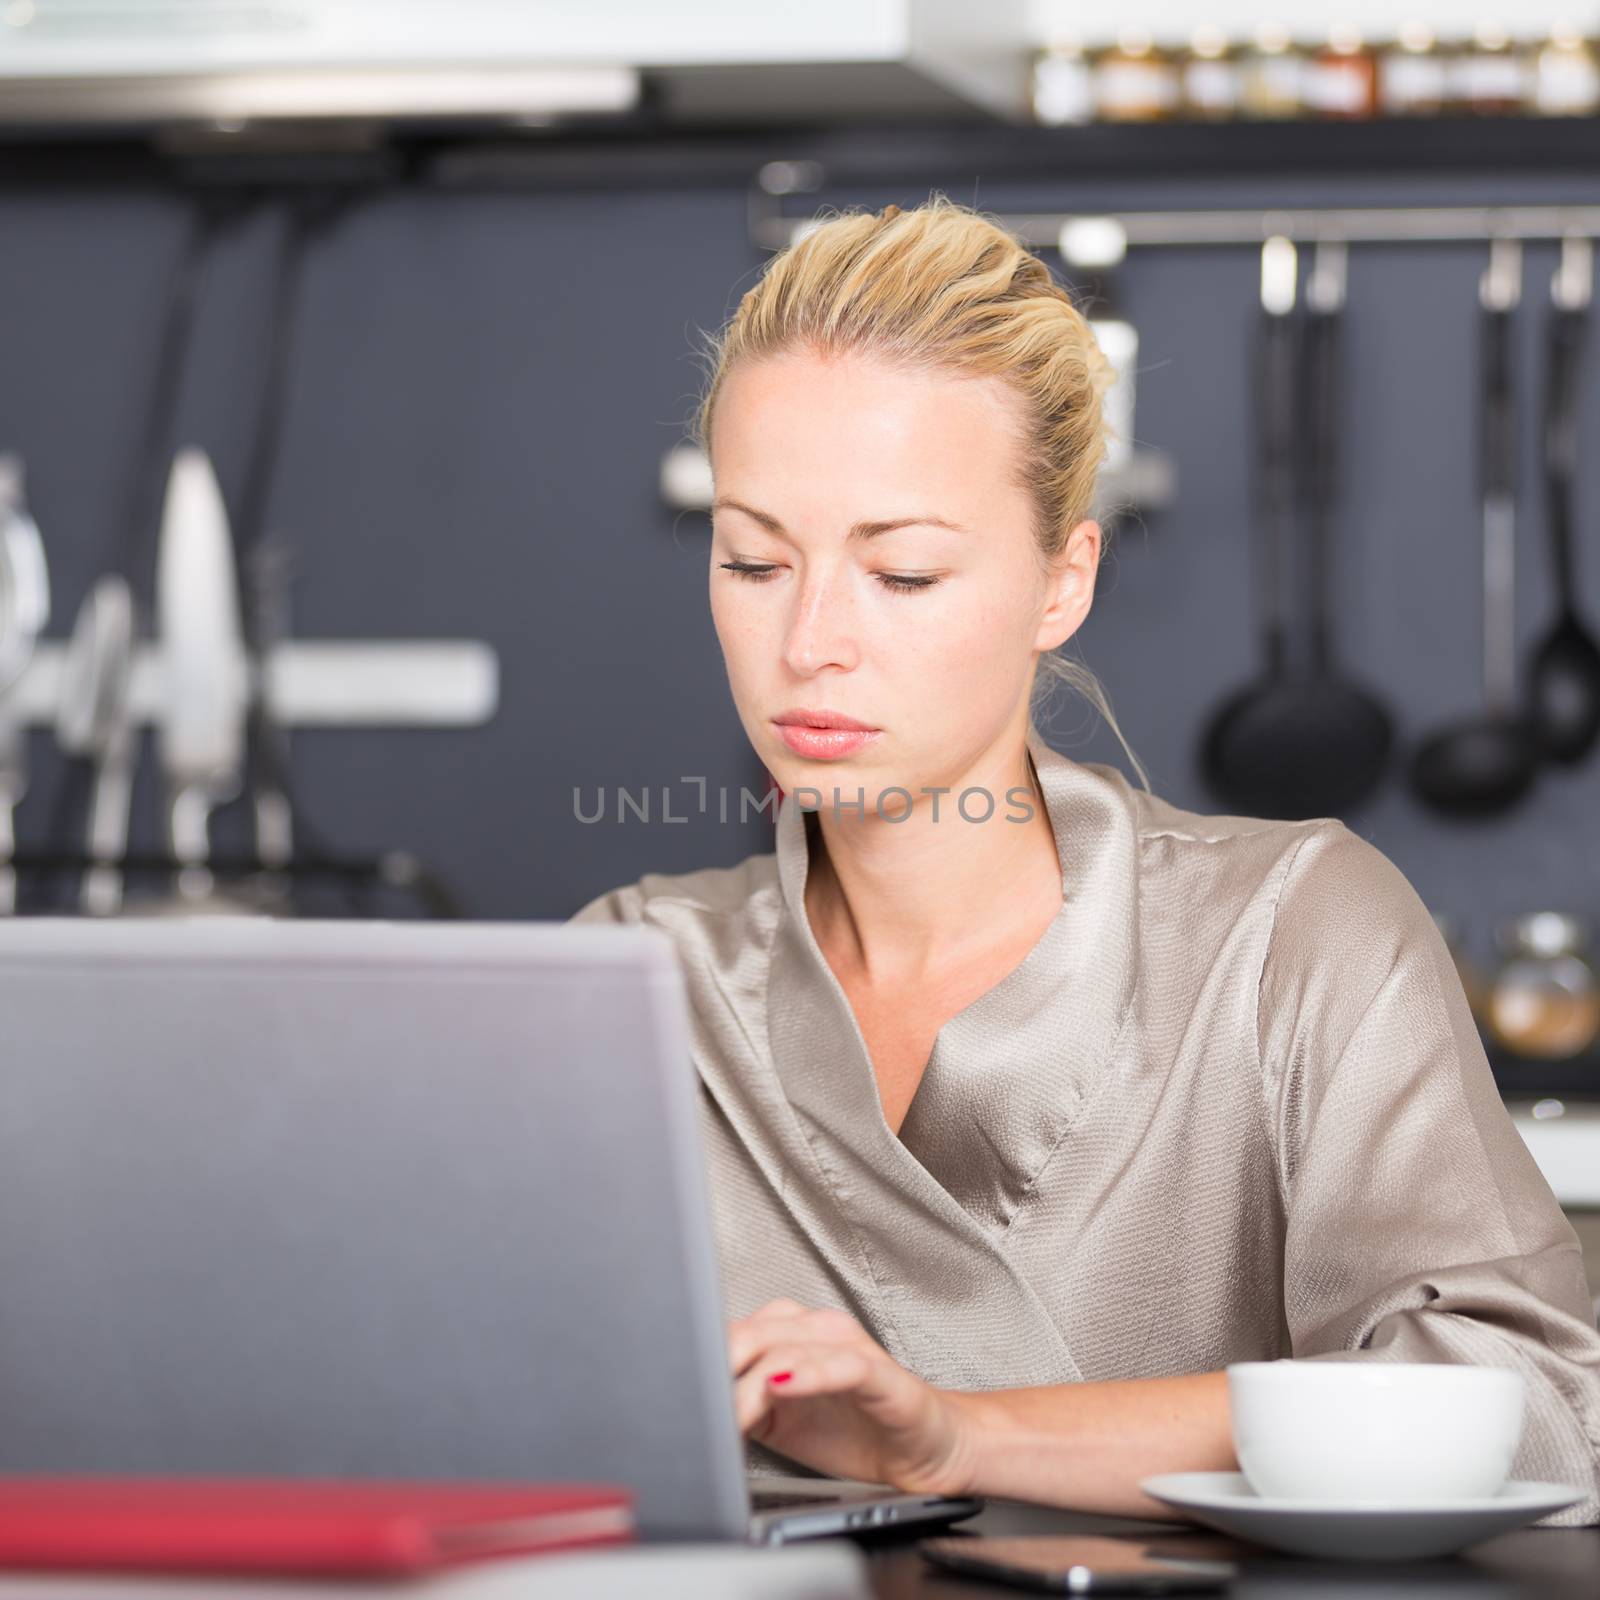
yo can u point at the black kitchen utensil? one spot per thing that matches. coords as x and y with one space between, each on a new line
1239 756
265 563
291 850
129 545
1564 678
1482 766
1299 741
1342 735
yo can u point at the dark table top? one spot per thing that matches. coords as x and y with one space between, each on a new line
1529 1564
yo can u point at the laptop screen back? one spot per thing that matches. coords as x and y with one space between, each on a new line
329 1199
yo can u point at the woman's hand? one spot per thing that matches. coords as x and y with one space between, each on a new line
816 1387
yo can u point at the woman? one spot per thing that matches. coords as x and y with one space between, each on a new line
1032 1101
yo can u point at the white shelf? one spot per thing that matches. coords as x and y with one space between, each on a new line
1567 1148
433 683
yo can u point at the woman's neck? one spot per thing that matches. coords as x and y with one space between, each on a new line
903 902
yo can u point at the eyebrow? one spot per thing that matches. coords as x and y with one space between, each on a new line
860 530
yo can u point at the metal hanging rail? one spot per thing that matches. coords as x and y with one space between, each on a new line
1349 225
771 230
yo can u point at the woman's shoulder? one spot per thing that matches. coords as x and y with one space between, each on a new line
679 900
1318 882
1162 823
1329 929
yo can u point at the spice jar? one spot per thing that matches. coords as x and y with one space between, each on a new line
1412 77
1134 81
1210 78
1489 74
1544 1000
1063 85
1271 74
1566 76
1341 80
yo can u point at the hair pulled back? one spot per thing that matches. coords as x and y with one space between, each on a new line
942 287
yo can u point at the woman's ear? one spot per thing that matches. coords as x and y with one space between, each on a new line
1071 593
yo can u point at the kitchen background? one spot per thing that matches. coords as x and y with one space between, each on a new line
493 240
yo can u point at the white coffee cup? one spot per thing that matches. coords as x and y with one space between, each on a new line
1385 1432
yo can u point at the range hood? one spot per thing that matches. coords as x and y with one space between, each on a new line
229 63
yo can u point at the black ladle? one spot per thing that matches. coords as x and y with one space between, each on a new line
1564 678
1295 743
1236 757
1484 765
1345 731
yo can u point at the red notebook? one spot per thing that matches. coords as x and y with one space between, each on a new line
296 1525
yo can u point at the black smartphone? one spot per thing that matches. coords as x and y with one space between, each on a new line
1053 1564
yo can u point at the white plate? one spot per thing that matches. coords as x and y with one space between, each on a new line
1354 1530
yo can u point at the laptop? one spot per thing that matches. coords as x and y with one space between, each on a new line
356 1199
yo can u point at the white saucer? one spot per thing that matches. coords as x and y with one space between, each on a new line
1354 1530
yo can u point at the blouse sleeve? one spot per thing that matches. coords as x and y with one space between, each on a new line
612 907
1418 1226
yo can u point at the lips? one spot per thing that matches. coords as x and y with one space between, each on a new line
804 717
823 735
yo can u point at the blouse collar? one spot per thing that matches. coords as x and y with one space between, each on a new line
1008 1074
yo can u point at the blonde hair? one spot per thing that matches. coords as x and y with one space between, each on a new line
944 287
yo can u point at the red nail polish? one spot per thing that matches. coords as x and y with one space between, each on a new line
780 1377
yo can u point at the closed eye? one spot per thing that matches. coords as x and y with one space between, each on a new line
897 582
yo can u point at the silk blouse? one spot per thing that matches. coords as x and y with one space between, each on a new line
1232 1106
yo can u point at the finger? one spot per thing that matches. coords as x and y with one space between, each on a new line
802 1370
751 1397
839 1327
780 1308
757 1414
739 1329
749 1337
809 1371
754 1398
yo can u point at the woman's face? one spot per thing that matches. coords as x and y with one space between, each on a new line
871 555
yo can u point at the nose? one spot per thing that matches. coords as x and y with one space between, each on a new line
821 629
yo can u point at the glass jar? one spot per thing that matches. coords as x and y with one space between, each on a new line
1566 76
1489 74
1210 78
1063 85
1341 80
1135 82
1544 999
1272 74
1412 77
